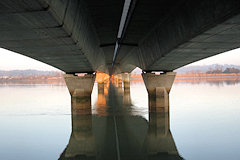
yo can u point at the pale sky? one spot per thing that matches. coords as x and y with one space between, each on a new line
11 61
230 57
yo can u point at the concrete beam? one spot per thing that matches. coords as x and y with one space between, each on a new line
80 88
56 27
158 87
187 32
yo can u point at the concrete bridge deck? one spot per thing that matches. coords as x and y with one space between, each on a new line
117 36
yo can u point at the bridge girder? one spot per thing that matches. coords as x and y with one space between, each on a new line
76 35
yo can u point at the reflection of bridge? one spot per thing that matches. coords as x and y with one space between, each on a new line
82 36
118 134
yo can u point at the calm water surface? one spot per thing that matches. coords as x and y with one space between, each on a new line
36 124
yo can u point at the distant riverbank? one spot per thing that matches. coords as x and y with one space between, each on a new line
59 80
199 77
50 79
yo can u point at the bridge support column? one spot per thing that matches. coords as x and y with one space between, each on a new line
119 76
158 87
126 81
116 80
101 101
80 88
100 87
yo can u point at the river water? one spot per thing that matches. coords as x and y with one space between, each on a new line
203 123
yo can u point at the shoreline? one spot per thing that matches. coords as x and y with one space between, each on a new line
59 80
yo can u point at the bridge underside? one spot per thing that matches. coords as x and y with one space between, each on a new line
79 36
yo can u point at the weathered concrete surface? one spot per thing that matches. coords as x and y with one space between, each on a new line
100 88
182 32
126 81
79 84
57 32
79 35
158 87
101 99
80 88
120 81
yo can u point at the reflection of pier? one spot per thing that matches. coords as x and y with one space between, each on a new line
129 137
82 142
159 141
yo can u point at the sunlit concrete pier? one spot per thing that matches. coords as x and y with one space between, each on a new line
157 85
80 89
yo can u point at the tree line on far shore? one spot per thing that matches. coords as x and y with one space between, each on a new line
219 69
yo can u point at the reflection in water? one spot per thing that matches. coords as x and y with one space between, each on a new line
216 81
101 98
159 142
126 96
115 133
204 122
82 141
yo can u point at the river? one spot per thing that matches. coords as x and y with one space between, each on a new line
203 123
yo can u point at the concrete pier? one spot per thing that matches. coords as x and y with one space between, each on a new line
158 87
101 99
80 88
118 80
119 77
100 88
126 81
